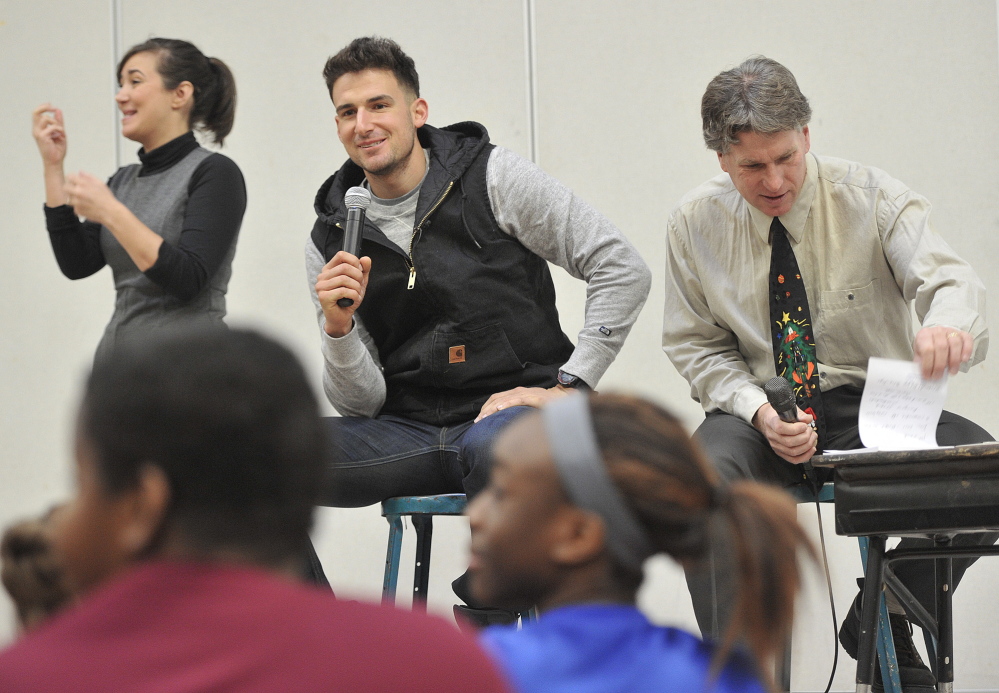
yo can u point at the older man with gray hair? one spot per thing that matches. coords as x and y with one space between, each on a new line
803 266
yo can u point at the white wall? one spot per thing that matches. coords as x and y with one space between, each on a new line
911 87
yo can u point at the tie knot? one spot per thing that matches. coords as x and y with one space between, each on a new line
777 229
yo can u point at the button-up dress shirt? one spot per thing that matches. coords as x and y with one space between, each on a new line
866 250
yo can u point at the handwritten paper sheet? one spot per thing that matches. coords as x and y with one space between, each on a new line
899 410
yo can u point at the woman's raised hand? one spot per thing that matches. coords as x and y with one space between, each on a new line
50 134
90 197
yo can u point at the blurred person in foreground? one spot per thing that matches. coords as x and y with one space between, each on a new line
581 494
198 458
31 573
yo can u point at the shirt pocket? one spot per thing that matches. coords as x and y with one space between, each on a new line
473 358
847 323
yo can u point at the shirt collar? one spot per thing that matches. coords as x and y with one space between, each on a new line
793 221
166 155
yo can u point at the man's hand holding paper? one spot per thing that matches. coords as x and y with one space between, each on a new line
941 349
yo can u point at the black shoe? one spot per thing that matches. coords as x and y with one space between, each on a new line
463 590
473 616
914 676
471 620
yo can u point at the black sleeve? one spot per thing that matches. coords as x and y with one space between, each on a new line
215 205
76 244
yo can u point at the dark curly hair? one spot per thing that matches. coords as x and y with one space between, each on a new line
373 53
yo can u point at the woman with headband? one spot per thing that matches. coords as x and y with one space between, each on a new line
581 494
167 226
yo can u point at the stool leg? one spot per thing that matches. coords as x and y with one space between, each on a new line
868 610
945 625
886 650
424 525
782 674
391 579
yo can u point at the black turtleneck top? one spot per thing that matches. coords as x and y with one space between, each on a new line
215 206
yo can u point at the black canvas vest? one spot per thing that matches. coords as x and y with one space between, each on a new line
480 317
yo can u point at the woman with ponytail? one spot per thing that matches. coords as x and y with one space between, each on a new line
581 494
168 225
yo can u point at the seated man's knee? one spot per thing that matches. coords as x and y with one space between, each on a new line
957 430
733 446
479 438
476 447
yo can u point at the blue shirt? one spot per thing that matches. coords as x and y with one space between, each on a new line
599 648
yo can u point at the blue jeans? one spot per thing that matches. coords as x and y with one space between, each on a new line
387 456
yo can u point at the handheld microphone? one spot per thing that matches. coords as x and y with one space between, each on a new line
356 201
781 398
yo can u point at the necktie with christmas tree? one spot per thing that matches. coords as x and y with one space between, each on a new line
791 328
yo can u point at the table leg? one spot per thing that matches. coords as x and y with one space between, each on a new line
945 624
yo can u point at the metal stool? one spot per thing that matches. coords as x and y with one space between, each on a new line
421 509
886 647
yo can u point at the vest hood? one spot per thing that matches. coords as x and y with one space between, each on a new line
454 148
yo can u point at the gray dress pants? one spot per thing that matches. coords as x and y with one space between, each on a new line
739 451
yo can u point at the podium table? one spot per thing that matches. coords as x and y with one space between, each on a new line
935 493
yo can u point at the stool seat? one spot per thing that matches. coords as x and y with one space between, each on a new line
422 509
803 494
444 504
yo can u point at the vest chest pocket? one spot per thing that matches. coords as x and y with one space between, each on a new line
472 358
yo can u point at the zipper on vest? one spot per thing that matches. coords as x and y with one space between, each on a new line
416 231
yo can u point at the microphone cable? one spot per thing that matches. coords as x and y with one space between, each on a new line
832 601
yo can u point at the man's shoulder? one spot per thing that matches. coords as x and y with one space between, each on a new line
456 132
713 187
454 147
835 172
506 165
717 196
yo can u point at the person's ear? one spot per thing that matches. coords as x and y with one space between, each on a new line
581 538
420 111
183 95
144 510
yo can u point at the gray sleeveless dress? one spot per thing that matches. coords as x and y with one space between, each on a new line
159 201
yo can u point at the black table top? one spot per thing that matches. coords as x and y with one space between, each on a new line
946 454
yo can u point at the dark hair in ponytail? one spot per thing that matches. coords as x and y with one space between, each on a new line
214 86
676 495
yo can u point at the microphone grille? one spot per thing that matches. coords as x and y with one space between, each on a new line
779 393
357 197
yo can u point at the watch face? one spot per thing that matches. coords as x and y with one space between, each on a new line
567 380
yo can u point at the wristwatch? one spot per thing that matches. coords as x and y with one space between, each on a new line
568 380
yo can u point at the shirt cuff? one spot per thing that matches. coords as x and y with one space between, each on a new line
589 361
748 402
60 219
343 352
